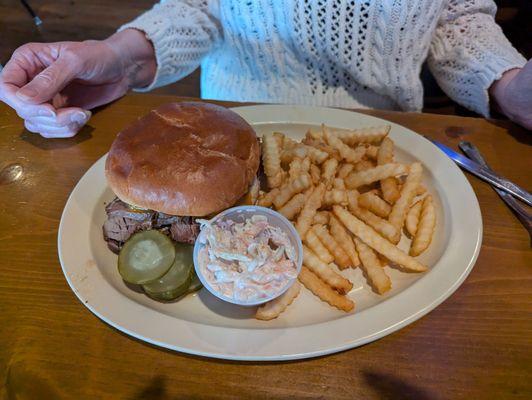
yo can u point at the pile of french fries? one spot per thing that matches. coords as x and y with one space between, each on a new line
350 202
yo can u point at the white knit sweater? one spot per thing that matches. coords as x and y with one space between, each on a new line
346 53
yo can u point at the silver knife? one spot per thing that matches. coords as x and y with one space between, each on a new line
486 174
472 152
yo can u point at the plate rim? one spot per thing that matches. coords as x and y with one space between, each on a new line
354 342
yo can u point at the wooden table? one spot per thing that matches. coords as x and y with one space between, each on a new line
476 345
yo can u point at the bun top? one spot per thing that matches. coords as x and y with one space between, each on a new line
186 159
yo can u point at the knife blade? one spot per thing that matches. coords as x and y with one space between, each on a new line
485 173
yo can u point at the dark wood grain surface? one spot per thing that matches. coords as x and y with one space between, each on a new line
476 345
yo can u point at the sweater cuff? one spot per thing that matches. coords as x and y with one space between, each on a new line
181 35
162 53
468 54
493 70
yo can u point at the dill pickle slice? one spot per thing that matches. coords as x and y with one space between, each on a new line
195 283
145 257
169 295
177 280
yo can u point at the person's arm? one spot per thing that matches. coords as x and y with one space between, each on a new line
512 95
53 86
469 52
136 54
182 32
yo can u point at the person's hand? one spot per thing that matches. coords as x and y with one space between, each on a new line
52 86
513 95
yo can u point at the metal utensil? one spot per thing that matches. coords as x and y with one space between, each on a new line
485 174
472 152
36 20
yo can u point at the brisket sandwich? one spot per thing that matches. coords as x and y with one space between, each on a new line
181 161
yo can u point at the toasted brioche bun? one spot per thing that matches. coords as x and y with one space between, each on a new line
186 159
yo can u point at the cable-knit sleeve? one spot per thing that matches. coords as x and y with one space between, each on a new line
469 52
182 32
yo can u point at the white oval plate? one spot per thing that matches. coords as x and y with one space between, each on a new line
203 325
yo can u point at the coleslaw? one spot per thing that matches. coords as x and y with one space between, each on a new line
246 261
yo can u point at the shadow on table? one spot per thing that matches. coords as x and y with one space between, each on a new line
156 389
60 143
385 387
390 387
518 133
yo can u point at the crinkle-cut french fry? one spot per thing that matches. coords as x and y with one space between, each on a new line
375 204
266 200
364 165
372 151
271 160
372 135
344 169
294 169
425 228
338 184
276 181
305 165
412 218
298 166
291 153
284 177
369 236
315 244
315 173
325 272
316 156
400 208
253 193
346 153
275 307
291 188
321 217
382 226
279 137
352 198
322 146
421 190
340 256
335 196
352 137
313 202
356 179
293 206
346 241
328 170
389 187
301 150
289 143
371 265
385 153
323 291
314 135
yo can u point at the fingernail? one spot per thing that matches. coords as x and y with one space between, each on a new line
46 113
80 117
26 94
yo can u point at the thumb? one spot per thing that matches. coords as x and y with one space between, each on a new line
44 86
